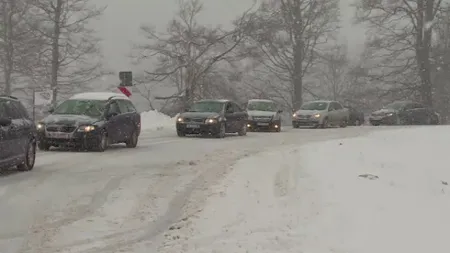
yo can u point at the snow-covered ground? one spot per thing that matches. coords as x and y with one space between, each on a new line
385 192
156 121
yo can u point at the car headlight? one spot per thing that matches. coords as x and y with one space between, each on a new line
294 115
180 119
40 126
389 114
86 128
316 116
211 121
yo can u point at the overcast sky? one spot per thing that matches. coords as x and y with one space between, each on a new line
119 26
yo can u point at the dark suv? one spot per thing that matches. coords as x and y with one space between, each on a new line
17 135
91 121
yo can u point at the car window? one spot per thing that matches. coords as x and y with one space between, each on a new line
22 110
130 106
331 107
9 110
236 107
337 106
228 107
114 108
122 106
3 110
207 106
92 108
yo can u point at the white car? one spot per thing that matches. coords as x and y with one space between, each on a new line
321 114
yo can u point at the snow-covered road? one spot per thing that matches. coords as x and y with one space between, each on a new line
125 200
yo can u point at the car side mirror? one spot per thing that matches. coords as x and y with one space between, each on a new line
230 110
330 109
280 111
5 121
186 110
51 110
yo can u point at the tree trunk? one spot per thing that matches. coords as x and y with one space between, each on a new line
8 64
55 51
423 49
297 78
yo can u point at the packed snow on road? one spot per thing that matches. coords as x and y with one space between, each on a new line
385 192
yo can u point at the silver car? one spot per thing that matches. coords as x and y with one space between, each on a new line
321 114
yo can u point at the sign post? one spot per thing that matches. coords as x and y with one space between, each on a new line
126 82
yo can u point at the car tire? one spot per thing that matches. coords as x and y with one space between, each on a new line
133 141
180 133
243 130
357 122
324 123
222 131
102 143
43 146
30 158
295 125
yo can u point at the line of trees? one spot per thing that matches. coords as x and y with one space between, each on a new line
287 50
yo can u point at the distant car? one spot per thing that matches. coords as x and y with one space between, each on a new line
17 135
356 116
91 121
212 117
404 113
263 114
321 114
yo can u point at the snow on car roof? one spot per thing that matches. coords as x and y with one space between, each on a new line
261 100
98 95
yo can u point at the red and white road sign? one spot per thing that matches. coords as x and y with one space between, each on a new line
125 90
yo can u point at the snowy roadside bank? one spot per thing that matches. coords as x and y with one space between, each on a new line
386 192
156 121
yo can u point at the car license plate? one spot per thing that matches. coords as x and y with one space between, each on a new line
59 135
263 124
193 126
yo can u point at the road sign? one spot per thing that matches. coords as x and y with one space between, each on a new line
126 78
125 90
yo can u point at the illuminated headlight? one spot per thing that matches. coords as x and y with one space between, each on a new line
211 121
389 114
40 126
294 115
316 116
86 128
180 119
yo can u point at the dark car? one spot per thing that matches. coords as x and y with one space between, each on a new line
91 121
405 113
263 114
356 116
17 135
212 117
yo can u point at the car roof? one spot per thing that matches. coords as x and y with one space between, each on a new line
261 100
99 96
214 100
7 97
320 101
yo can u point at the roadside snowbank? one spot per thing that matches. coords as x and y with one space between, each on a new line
156 121
319 198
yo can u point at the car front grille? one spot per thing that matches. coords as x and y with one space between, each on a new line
196 120
61 128
263 119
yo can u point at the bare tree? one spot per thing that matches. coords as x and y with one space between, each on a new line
18 44
189 51
332 71
402 35
72 56
287 35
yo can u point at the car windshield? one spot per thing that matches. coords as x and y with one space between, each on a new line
92 108
262 106
207 106
315 106
395 106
